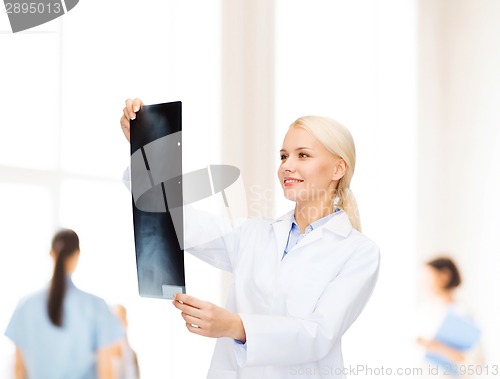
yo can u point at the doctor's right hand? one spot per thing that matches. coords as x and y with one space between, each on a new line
129 113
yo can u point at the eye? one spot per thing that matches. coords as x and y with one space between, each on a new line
282 156
303 155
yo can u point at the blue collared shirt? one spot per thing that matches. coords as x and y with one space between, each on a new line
68 352
294 235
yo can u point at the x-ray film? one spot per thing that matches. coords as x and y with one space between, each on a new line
156 180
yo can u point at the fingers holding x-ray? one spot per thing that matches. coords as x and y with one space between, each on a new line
207 319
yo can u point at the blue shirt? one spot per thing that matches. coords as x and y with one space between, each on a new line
67 352
294 235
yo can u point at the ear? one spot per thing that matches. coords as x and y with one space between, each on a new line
340 169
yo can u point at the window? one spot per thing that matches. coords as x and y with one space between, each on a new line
63 155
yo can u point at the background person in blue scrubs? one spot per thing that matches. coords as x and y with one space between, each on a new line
61 332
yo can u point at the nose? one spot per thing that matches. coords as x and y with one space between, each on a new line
287 166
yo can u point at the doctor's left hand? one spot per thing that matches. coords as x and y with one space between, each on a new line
209 320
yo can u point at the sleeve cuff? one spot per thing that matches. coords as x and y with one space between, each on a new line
126 178
240 349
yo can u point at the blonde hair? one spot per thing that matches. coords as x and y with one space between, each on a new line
337 139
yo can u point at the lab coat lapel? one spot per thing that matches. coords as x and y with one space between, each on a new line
309 238
281 227
338 224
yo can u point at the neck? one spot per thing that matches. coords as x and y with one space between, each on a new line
446 296
308 212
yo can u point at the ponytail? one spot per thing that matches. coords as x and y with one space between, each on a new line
64 244
347 202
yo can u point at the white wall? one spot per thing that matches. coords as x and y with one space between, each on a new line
458 144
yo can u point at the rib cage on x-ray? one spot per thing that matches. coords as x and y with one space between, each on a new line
156 175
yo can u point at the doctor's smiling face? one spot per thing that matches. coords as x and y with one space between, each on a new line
309 173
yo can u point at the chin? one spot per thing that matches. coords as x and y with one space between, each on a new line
290 195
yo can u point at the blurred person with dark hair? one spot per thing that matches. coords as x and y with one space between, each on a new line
441 279
61 332
125 363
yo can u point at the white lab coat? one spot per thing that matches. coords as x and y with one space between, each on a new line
294 310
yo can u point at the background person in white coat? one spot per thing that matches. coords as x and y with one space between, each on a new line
442 280
300 281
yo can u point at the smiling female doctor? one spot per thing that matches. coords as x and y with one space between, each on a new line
300 281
